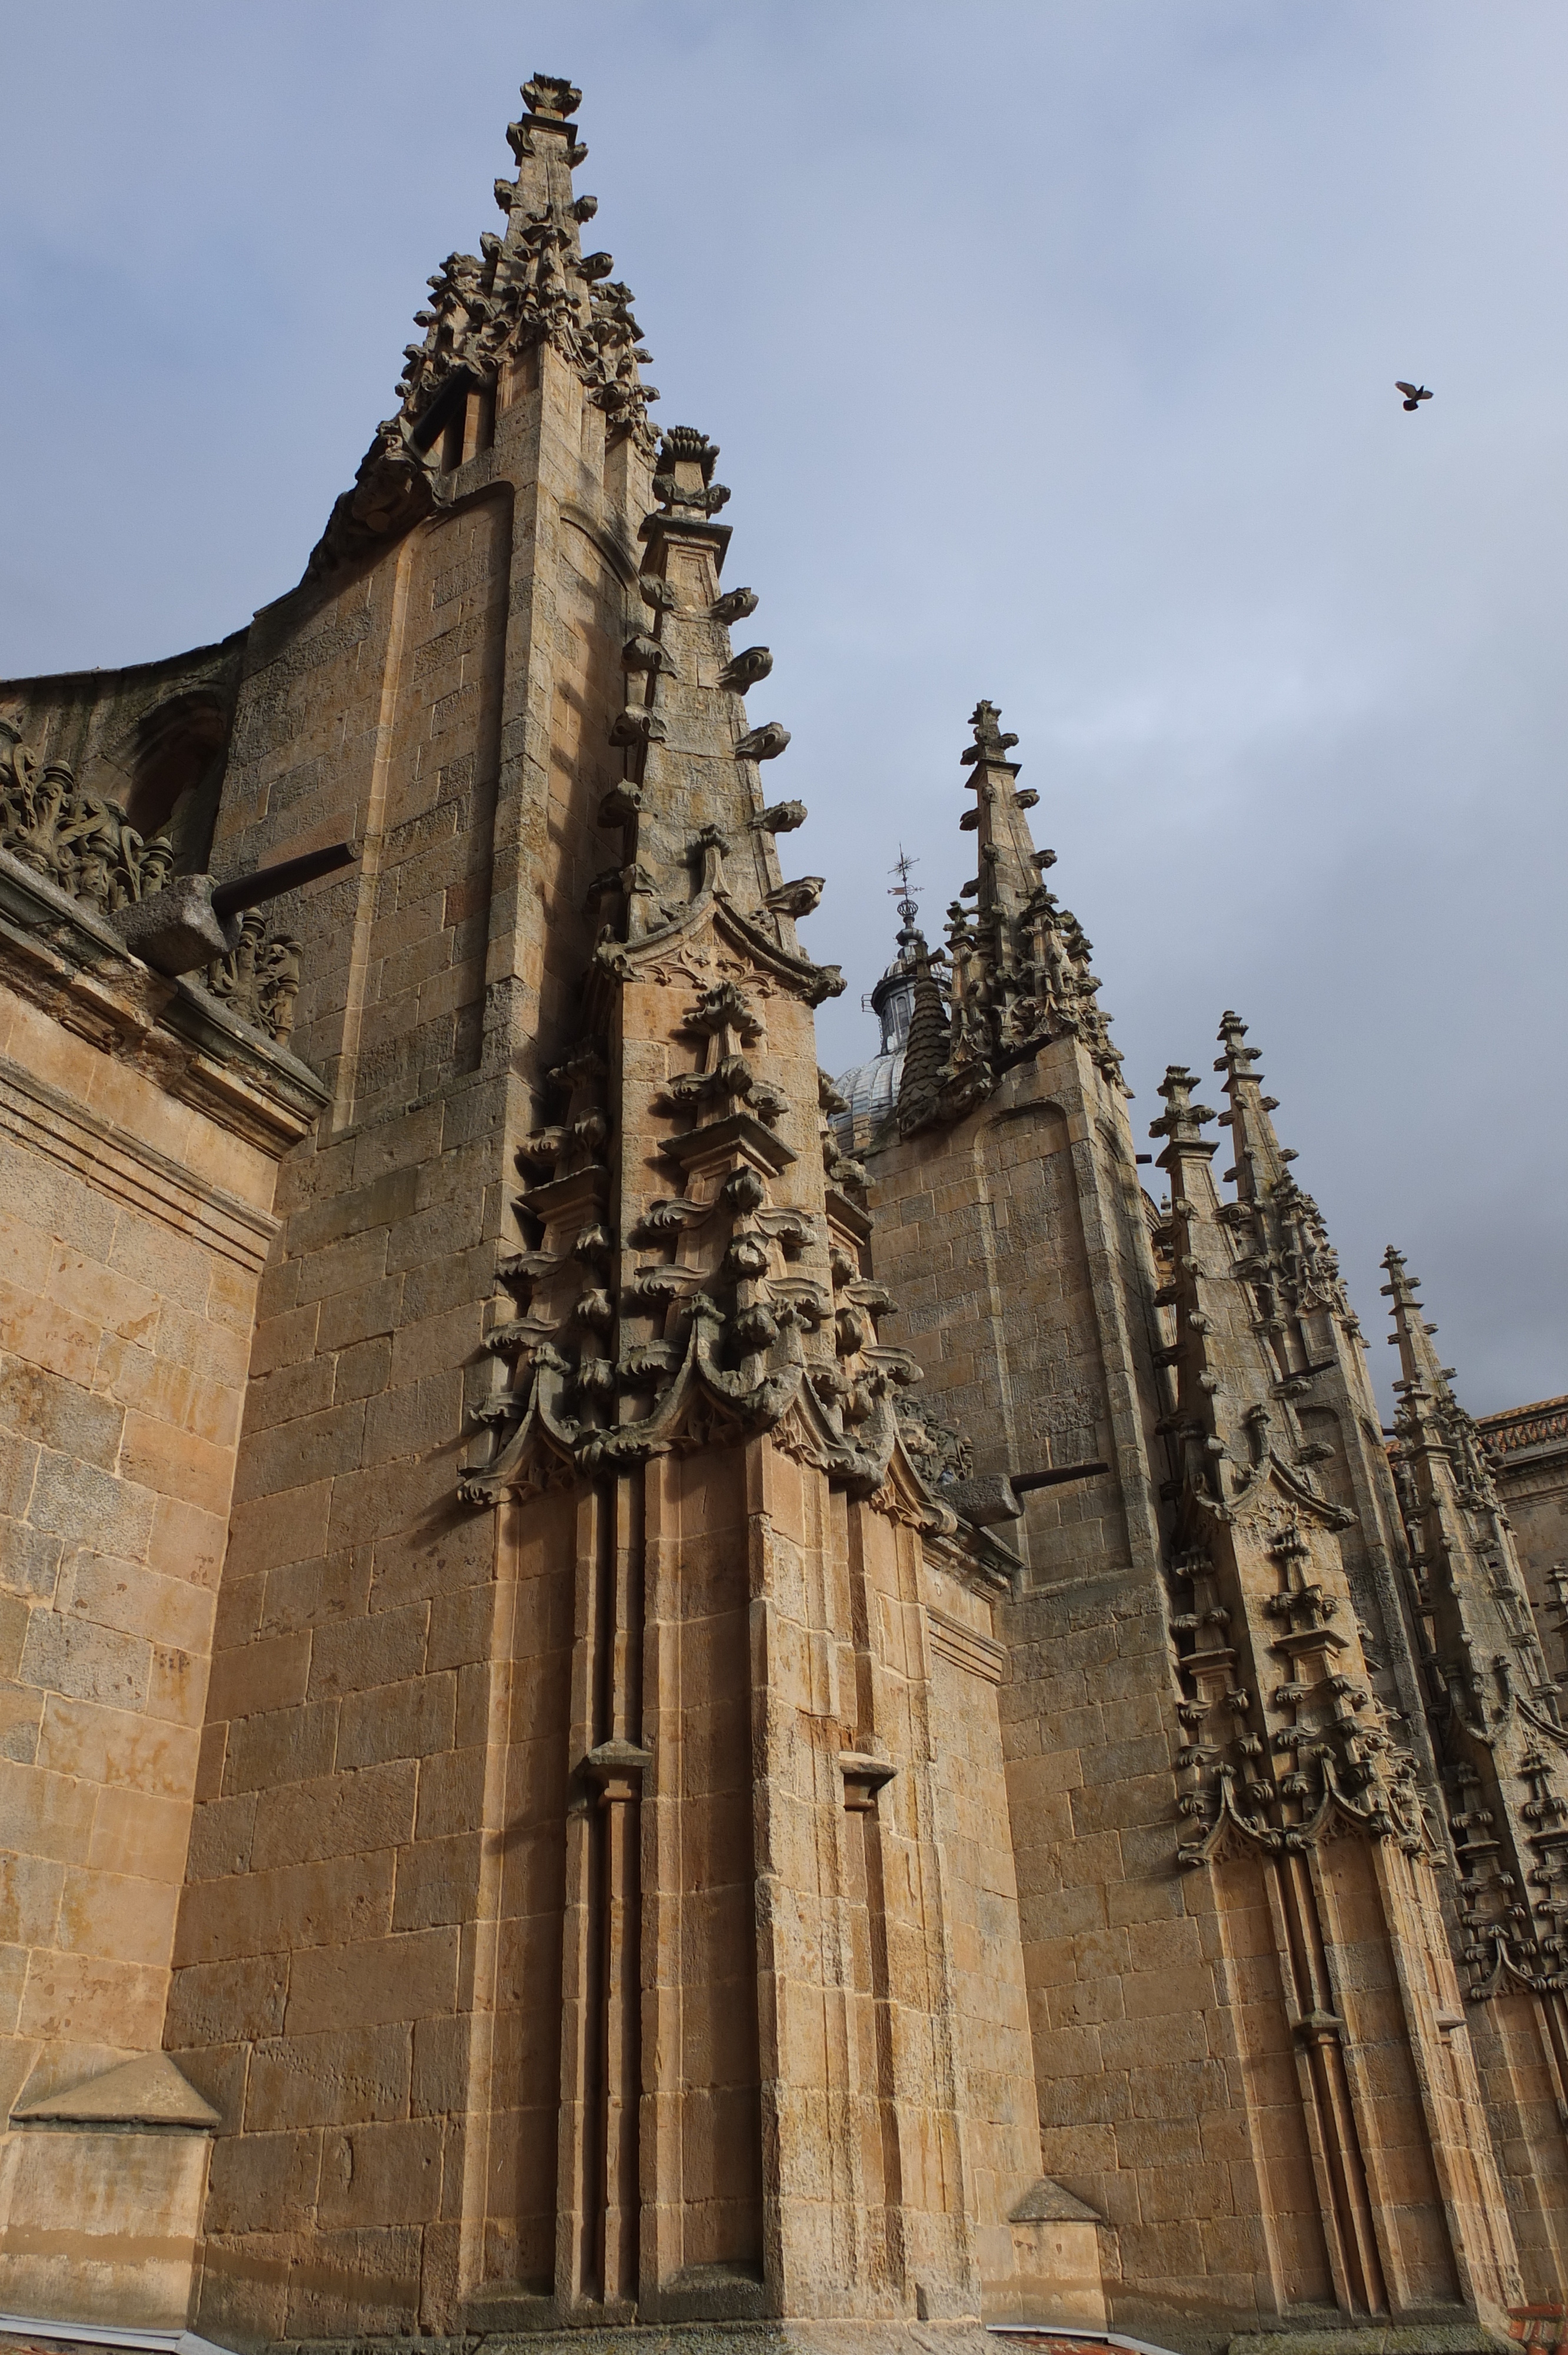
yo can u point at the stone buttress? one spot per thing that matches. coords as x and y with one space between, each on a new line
1496 1725
1304 1798
1249 2042
685 1817
600 1907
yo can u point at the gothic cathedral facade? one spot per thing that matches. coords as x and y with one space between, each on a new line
642 1691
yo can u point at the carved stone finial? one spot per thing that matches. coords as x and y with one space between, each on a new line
1182 1122
684 480
551 97
990 743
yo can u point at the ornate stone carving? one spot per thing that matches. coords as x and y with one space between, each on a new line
780 818
797 898
684 483
734 605
1017 969
938 1449
260 979
531 286
1496 1725
82 843
550 95
723 1306
744 671
763 743
1289 1740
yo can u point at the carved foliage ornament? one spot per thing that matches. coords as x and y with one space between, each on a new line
85 845
531 286
724 1325
533 283
259 979
82 843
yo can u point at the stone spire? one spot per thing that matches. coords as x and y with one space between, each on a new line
1270 1638
1493 1702
532 283
1260 1159
1245 1465
1020 966
1290 1249
1009 868
932 1073
1320 1387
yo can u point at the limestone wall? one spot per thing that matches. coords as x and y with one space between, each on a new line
150 738
980 1895
447 707
1013 1244
135 1194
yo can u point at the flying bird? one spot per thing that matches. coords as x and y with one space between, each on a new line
1413 393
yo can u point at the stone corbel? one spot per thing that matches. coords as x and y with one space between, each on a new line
864 1777
614 1770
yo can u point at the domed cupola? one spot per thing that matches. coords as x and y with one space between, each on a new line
870 1090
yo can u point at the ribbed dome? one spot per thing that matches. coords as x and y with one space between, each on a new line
871 1090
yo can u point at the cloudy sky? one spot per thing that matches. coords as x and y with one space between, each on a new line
1051 348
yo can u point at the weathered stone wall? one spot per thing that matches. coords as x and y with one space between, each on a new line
981 1900
1015 1245
150 738
129 1292
445 708
1163 2056
136 1188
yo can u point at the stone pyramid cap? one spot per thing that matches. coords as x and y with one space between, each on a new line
148 2091
1046 2202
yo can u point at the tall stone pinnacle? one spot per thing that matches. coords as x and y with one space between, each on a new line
1286 1244
485 313
1020 966
1496 1716
1009 868
733 1295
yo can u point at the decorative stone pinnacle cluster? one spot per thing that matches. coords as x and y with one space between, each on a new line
1017 967
1289 1735
84 844
1499 1714
643 1321
530 285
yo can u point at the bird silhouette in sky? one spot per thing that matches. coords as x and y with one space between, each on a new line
1413 393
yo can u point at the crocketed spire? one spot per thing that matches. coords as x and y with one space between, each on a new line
1019 967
